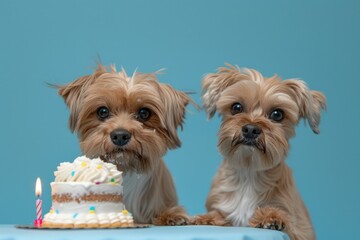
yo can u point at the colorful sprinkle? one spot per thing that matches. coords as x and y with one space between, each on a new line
52 210
99 166
57 211
92 209
125 212
83 164
112 181
97 183
75 215
73 173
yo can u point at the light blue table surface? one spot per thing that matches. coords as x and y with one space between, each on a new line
9 232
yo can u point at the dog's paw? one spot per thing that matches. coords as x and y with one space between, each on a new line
173 220
175 216
212 218
272 224
269 218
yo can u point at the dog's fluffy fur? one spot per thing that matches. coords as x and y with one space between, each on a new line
254 187
149 191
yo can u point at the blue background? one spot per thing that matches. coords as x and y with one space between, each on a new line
58 41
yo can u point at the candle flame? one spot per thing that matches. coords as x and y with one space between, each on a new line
38 189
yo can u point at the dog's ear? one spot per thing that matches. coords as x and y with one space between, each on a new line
175 103
72 94
214 84
309 102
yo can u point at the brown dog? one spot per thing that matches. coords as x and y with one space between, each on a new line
254 187
131 122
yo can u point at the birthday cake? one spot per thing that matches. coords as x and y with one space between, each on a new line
87 193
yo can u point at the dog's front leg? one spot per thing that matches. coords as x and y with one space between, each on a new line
172 216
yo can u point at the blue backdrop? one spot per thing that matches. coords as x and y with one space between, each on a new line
58 41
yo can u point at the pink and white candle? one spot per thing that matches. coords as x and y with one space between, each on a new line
38 190
38 209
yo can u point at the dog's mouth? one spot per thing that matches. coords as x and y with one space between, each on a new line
127 160
257 143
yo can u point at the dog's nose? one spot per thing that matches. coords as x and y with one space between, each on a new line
120 137
251 131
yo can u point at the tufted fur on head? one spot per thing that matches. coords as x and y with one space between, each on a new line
172 102
310 102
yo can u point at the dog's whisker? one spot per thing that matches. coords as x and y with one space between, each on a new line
262 146
236 141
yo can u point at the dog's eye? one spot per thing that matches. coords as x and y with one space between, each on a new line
103 113
236 108
144 114
277 115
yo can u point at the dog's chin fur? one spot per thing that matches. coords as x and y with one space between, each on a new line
148 186
127 161
261 154
254 187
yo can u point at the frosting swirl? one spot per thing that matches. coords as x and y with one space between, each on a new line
84 169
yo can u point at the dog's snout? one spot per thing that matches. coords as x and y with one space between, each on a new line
251 131
120 137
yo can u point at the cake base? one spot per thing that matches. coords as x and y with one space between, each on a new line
86 225
69 228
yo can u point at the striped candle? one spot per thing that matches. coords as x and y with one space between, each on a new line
38 190
38 209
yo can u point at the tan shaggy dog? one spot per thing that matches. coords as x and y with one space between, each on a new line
254 187
131 122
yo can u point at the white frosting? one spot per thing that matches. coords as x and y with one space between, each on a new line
84 169
78 189
84 207
74 183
